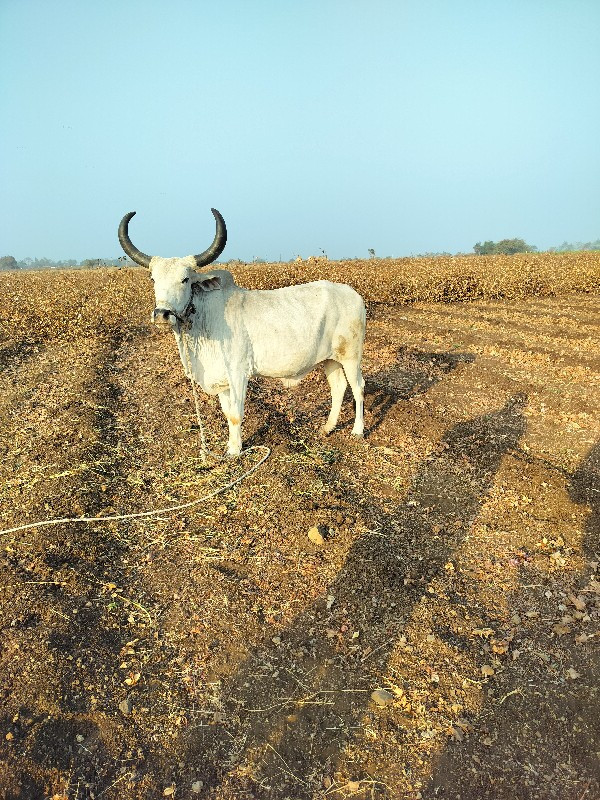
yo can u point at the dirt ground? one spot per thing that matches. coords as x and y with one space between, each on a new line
220 653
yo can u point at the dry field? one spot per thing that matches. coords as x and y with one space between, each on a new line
218 652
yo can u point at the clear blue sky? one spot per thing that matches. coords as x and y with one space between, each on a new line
337 124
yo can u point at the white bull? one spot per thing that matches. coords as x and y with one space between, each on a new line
234 333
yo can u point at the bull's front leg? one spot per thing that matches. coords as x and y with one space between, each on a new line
232 403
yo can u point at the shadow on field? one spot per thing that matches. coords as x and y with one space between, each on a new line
293 706
80 645
414 373
17 353
585 489
549 730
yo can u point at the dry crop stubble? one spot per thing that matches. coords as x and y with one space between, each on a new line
221 653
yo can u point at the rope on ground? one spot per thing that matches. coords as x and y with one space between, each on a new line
184 343
169 509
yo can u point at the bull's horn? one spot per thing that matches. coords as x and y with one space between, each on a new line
218 245
132 251
207 257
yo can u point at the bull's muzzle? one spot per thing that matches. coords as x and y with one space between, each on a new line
164 315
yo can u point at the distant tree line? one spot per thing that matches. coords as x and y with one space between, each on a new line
10 262
503 247
567 247
507 247
512 246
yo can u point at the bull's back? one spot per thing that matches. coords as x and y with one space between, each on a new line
292 329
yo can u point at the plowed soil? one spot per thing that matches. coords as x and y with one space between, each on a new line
218 652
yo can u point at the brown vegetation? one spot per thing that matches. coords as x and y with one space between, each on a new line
223 653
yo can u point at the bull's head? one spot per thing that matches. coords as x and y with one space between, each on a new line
176 279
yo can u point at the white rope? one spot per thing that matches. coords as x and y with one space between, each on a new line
169 509
203 449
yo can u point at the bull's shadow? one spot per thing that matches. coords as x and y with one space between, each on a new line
291 709
414 373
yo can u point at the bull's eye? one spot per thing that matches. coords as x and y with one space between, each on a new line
185 280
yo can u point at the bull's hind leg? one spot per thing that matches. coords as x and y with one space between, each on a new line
337 383
357 384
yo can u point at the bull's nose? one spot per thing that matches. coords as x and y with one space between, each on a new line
161 315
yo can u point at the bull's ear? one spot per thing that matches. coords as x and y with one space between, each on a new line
207 283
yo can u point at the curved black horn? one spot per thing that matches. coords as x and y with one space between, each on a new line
218 245
132 251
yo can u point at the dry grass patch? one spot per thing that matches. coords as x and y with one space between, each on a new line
220 653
